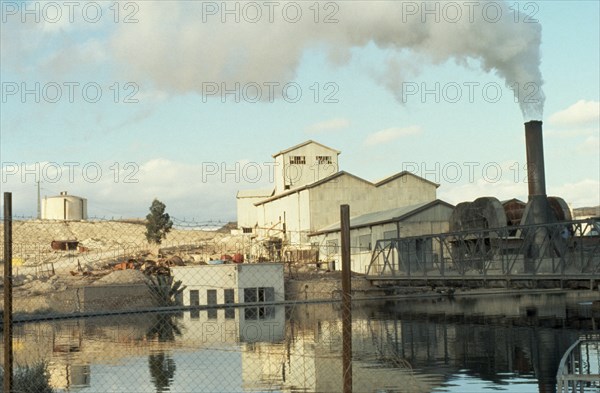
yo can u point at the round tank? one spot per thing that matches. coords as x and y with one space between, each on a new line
484 212
64 207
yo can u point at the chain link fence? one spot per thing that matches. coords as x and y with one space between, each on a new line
97 308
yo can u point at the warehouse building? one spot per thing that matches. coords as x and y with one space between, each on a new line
309 188
414 220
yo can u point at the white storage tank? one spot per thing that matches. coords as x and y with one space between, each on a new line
64 207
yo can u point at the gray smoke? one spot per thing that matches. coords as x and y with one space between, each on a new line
182 46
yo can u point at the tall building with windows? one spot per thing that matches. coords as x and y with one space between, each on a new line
308 189
304 164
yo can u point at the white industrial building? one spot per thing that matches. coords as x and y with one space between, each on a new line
64 207
233 284
309 189
230 283
365 230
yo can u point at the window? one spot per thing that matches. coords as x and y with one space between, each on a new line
250 295
297 160
194 301
322 160
364 243
259 295
229 297
194 297
246 230
390 234
211 300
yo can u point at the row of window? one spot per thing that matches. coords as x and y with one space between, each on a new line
301 160
250 313
251 295
358 243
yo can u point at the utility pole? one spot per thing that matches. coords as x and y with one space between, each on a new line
346 299
7 318
39 202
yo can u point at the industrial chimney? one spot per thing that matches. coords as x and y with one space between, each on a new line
535 158
539 209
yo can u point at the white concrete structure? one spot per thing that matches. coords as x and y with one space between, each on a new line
64 207
309 190
367 229
230 283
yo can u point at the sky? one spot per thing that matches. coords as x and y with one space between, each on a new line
122 102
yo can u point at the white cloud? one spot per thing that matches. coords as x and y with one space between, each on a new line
582 113
390 134
579 194
200 190
591 145
328 125
468 192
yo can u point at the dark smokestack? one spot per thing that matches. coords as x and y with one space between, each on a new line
534 144
538 208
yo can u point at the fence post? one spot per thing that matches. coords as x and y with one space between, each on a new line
7 318
346 299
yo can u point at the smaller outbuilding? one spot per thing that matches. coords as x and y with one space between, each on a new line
230 283
365 230
236 283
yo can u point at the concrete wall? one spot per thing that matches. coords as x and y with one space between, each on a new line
205 277
229 276
248 214
253 275
115 297
325 200
405 190
318 207
294 209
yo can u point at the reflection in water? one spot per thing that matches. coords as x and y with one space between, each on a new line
164 327
162 371
162 366
427 345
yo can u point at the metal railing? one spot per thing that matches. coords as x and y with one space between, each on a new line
579 368
561 248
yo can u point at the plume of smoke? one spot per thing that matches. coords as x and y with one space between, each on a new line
179 46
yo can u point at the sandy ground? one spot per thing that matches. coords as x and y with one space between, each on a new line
37 268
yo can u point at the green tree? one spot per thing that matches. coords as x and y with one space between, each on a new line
158 223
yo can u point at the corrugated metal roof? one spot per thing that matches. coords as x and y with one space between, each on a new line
396 214
256 193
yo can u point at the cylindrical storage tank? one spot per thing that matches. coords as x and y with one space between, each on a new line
64 207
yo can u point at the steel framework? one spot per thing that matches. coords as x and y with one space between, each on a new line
556 249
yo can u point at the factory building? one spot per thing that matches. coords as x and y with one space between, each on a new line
309 188
414 220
